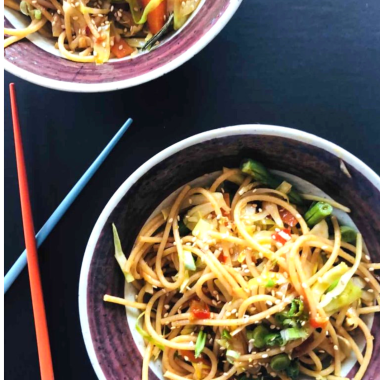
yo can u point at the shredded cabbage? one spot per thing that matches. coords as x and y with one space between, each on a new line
345 278
145 335
119 255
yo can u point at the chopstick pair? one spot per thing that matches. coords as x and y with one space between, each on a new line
42 334
42 234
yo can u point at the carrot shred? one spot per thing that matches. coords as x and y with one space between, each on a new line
156 18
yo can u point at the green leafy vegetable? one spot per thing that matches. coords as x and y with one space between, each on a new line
270 284
348 234
273 339
293 333
294 316
188 260
232 355
317 213
119 255
350 294
329 280
182 229
280 362
200 344
226 334
261 174
293 370
258 336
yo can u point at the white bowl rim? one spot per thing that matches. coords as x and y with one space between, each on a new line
127 83
254 129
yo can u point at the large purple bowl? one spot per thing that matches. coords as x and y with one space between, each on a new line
28 61
108 337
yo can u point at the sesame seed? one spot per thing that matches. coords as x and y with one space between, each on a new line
371 269
166 307
336 348
186 358
269 303
264 356
367 257
366 279
370 290
304 285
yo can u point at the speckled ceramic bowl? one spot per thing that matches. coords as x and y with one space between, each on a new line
313 163
40 63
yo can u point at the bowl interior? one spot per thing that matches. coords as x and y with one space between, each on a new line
38 64
112 346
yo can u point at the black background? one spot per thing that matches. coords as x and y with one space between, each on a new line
311 65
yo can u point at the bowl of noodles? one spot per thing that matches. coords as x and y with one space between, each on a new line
105 45
247 252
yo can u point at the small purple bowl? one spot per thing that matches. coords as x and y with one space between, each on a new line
313 164
41 64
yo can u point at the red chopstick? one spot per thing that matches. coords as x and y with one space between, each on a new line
43 344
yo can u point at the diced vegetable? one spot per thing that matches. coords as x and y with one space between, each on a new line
156 17
188 260
350 294
280 362
226 334
285 187
348 234
318 323
273 339
287 217
199 310
182 229
293 370
232 355
294 316
282 236
102 45
293 333
200 344
202 228
270 284
121 49
261 174
318 212
119 255
237 179
258 335
321 229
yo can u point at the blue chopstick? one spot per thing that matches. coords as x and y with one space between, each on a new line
42 234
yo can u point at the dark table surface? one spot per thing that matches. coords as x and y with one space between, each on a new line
311 65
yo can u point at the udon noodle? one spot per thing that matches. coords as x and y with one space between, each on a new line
242 280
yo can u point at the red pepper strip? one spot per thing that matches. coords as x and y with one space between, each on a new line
287 217
282 236
199 310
